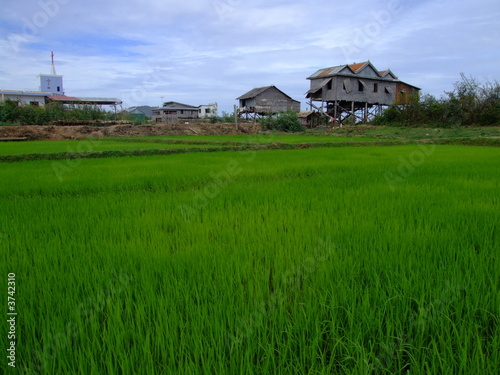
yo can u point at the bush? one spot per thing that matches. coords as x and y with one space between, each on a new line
468 104
11 112
285 122
226 118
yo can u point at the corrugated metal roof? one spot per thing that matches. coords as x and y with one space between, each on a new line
305 114
259 90
328 71
177 105
254 92
314 90
64 98
385 73
83 100
101 100
358 66
176 109
353 69
22 92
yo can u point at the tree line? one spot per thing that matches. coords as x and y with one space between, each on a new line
470 103
11 113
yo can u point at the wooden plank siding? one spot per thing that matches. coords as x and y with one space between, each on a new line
345 90
267 100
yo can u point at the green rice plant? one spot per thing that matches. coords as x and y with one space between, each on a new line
257 138
306 261
86 145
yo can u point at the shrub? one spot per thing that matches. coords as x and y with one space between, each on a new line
470 103
226 118
285 122
11 112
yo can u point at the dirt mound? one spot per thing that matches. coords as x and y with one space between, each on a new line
38 132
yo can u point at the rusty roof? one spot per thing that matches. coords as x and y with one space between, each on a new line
327 71
387 72
353 69
63 98
357 66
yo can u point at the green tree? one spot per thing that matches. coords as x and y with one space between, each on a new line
470 103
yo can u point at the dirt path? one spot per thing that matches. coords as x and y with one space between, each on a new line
38 132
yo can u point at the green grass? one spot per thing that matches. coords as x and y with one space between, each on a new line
390 132
347 133
260 138
318 261
33 147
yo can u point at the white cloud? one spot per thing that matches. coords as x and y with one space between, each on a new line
204 51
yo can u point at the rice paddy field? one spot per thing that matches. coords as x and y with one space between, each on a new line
87 145
346 260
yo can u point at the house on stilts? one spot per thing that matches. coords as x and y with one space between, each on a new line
355 93
265 101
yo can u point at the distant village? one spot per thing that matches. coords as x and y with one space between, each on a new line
344 93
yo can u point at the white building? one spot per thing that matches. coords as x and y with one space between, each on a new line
208 110
25 97
51 82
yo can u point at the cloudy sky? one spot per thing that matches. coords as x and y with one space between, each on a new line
204 51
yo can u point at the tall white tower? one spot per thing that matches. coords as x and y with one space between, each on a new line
52 82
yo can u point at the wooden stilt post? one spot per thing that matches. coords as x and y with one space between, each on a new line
366 113
352 113
335 112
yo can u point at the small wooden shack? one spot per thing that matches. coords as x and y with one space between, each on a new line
352 93
264 101
312 119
